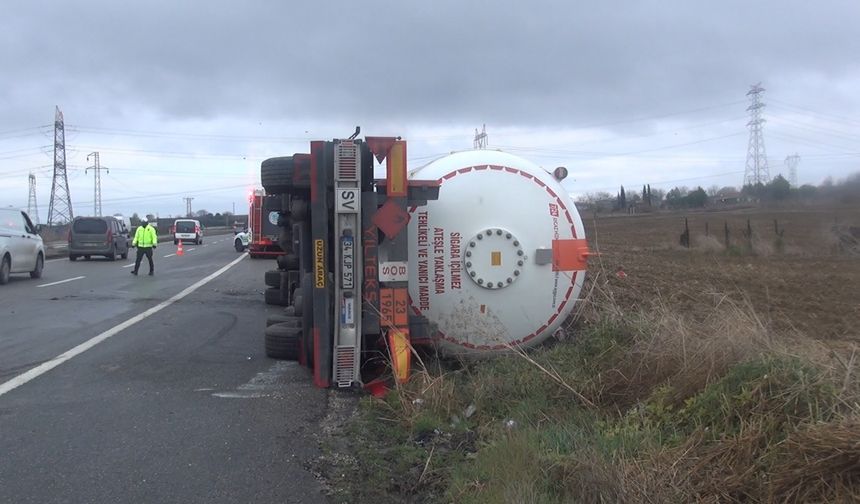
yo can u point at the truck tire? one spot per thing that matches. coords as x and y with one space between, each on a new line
273 297
273 278
285 239
280 318
288 262
282 342
298 210
276 174
298 304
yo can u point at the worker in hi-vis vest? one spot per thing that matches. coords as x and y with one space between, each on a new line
145 239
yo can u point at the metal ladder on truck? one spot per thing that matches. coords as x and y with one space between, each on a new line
344 278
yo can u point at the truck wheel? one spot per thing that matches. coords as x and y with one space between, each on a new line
282 341
276 174
273 278
298 304
280 318
299 210
288 262
73 258
273 297
285 239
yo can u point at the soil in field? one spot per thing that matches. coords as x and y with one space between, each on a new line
798 267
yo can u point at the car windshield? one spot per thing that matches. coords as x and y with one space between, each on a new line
90 226
184 227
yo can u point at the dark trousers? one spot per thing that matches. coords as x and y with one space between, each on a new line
144 251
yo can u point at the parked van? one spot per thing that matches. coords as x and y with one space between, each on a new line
187 230
21 247
99 236
125 221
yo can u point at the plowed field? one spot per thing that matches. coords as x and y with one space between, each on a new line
807 280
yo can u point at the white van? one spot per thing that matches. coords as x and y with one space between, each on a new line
21 247
187 230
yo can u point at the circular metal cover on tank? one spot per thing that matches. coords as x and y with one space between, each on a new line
480 265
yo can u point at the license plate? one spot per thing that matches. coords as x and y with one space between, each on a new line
347 262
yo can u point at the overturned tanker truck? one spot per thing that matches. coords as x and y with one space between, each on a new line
474 253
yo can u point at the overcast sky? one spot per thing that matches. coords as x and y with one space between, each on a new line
186 98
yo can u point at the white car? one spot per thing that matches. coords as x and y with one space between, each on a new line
21 247
241 240
187 230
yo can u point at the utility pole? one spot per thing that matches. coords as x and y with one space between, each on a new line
188 206
756 172
97 183
60 208
791 162
480 138
32 207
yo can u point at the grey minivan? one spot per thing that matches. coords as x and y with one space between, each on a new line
102 236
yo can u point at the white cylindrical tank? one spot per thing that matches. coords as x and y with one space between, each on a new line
481 263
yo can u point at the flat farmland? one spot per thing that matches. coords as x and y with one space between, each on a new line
799 268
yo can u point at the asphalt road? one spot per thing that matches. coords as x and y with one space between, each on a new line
175 401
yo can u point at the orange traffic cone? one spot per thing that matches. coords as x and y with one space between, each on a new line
179 250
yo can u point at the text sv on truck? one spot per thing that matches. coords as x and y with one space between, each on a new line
475 253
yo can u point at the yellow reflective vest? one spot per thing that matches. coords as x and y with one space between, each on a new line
145 236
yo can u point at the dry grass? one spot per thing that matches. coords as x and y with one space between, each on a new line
641 406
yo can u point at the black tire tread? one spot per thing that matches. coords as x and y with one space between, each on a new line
276 174
282 342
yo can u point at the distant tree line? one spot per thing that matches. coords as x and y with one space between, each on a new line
206 218
777 190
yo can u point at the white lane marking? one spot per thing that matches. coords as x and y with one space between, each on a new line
191 249
168 255
128 265
43 368
57 259
61 281
206 245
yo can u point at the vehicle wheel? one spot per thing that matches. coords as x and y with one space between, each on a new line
73 258
86 258
112 255
125 254
40 265
288 262
298 304
273 297
285 239
5 269
283 319
238 246
276 174
299 210
272 278
176 242
282 341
